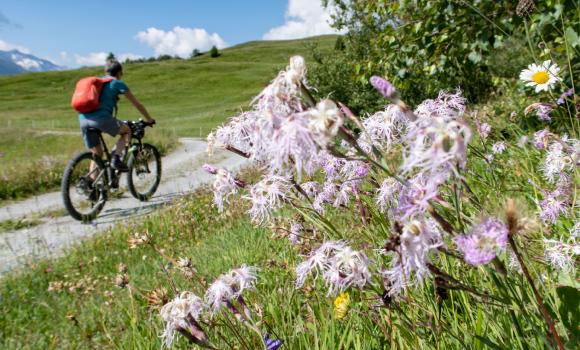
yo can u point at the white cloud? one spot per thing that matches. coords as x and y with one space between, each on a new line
128 56
6 46
180 41
304 18
92 59
98 58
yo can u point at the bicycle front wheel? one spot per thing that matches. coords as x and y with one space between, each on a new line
144 172
84 187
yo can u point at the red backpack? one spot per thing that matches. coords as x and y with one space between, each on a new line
86 96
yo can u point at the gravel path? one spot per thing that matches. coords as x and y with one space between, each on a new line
181 174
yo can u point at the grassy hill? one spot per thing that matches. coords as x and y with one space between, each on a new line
187 97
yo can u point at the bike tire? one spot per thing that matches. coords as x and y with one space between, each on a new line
66 183
132 165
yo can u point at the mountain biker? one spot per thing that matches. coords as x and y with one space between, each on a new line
104 120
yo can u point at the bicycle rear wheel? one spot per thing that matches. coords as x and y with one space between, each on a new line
144 172
84 187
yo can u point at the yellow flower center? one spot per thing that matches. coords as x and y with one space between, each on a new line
540 77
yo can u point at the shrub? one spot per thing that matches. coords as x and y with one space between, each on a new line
164 57
213 52
195 53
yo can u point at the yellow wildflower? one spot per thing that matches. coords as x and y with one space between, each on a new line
341 305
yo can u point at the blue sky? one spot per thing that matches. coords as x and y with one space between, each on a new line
74 33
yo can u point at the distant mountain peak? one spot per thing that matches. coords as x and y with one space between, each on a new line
15 62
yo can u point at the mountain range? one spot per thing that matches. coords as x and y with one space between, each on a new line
16 62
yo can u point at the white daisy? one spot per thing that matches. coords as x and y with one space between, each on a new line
542 77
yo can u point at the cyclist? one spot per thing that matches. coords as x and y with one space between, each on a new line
104 119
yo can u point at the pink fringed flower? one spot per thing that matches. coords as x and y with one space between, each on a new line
484 241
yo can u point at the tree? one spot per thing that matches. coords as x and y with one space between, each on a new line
425 46
213 52
195 53
164 57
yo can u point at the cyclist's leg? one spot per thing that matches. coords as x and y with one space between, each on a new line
124 135
92 142
97 151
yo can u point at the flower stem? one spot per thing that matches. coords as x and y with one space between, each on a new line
539 300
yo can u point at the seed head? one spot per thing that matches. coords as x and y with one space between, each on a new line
122 280
525 8
157 298
122 268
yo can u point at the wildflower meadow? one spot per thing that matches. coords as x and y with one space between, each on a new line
433 224
438 231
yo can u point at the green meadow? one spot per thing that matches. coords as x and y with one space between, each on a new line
188 98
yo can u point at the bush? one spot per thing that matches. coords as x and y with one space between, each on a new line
164 57
423 48
195 53
334 77
213 52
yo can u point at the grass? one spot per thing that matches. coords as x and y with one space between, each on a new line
103 317
85 300
72 302
18 224
187 97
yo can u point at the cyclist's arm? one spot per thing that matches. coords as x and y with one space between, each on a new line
139 106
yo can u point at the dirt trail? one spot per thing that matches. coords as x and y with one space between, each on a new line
181 174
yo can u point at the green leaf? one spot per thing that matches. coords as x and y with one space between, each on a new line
570 308
572 37
488 342
474 57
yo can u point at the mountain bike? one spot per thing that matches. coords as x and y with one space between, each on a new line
88 179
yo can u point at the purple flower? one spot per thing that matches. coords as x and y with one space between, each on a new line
295 230
362 170
483 129
384 128
409 260
210 169
498 147
346 268
415 196
543 113
225 184
272 344
266 196
325 196
230 286
318 261
481 245
447 106
541 138
542 110
386 194
563 97
182 313
553 205
437 143
292 145
383 86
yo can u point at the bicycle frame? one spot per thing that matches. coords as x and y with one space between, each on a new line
106 157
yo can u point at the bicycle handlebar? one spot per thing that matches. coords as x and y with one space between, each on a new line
138 127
